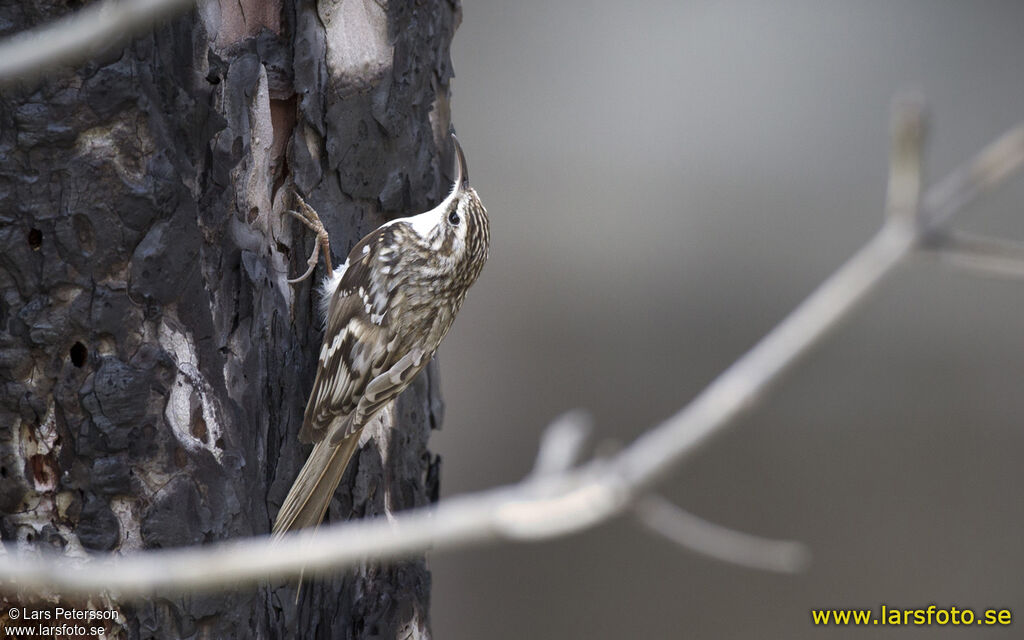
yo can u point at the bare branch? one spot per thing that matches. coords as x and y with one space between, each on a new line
576 501
80 34
908 128
994 164
550 504
982 255
739 387
720 543
562 442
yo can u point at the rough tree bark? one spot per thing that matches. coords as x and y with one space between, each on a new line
154 361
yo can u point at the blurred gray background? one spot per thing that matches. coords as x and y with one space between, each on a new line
666 180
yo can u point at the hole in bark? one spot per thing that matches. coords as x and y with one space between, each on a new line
213 78
283 249
78 354
35 239
220 443
3 472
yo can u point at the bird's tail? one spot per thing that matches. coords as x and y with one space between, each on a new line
313 489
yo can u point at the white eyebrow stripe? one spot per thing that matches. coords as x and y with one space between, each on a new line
424 223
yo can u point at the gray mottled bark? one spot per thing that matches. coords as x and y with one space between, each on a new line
154 362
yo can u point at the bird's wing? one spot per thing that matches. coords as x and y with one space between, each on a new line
380 391
358 344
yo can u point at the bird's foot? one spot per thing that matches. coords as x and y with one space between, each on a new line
309 217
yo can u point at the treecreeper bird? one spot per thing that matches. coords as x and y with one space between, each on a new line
386 311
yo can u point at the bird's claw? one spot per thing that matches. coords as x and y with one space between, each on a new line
309 217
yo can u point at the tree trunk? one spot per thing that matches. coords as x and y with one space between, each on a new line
155 363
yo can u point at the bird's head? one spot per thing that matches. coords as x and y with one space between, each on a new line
457 230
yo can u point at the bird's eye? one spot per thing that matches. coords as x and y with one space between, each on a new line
453 217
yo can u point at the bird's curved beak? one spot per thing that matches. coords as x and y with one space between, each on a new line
461 172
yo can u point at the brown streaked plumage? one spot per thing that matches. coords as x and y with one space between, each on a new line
387 310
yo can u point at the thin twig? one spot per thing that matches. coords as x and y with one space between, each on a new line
982 255
562 442
989 168
738 388
715 541
903 199
80 34
735 390
547 505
